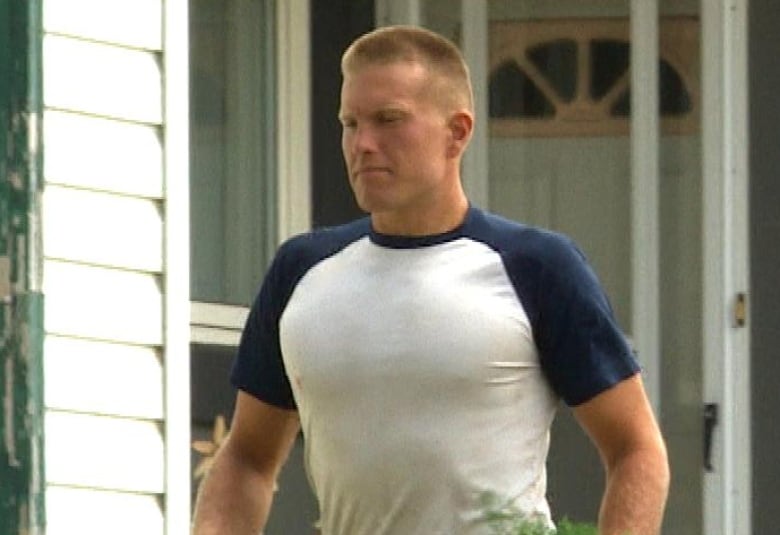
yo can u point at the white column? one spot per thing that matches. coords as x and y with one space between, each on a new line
645 228
176 279
474 14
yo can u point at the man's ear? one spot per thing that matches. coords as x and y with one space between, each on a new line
461 127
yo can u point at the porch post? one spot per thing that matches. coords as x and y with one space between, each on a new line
645 225
474 14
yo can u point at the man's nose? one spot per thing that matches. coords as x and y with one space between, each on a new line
364 139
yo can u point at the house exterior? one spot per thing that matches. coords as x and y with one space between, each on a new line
155 153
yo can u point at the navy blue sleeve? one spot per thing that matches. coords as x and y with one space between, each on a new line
258 368
582 349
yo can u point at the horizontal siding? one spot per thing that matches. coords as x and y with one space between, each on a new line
72 511
103 304
102 79
102 228
103 239
102 154
135 23
102 452
115 379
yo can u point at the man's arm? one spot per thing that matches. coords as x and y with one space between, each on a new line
236 495
621 424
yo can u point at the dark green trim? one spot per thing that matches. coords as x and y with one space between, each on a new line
21 302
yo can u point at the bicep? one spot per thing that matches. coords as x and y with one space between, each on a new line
261 434
620 420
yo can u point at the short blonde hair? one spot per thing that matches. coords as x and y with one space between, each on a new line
410 44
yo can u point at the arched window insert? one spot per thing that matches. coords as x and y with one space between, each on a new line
561 78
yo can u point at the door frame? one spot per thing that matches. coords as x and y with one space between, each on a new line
726 339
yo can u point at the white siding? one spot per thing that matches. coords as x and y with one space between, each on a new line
102 154
123 380
129 234
100 303
133 23
93 512
104 225
102 79
104 452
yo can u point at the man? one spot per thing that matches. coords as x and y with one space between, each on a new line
422 350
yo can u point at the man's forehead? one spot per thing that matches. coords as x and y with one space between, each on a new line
367 107
359 96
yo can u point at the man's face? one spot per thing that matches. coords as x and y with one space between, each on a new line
395 139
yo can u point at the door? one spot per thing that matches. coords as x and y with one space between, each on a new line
572 138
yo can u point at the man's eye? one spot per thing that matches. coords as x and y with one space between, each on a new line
391 118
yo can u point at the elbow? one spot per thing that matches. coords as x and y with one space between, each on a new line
647 464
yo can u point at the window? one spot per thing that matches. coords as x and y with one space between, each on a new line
232 148
571 77
232 194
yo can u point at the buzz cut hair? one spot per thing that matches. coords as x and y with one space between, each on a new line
414 45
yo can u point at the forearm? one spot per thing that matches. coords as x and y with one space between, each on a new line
233 499
635 495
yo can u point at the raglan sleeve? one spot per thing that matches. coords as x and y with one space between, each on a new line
582 349
258 367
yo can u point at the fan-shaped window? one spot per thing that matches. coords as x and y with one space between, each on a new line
557 61
609 60
513 94
572 77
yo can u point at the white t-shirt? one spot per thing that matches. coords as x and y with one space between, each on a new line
426 371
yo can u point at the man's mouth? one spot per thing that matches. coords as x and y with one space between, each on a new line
371 171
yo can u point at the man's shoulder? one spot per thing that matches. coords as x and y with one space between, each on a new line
308 248
521 241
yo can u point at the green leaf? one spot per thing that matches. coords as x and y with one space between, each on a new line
503 517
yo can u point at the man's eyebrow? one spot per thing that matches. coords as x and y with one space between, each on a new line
384 110
392 109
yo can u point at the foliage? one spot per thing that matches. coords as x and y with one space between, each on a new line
505 518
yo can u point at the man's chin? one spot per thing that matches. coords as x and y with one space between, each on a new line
372 204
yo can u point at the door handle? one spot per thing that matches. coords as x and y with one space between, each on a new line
710 421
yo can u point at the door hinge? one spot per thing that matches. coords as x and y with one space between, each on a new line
740 309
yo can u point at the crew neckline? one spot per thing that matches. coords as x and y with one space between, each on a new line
409 242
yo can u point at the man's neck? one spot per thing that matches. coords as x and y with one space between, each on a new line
435 220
